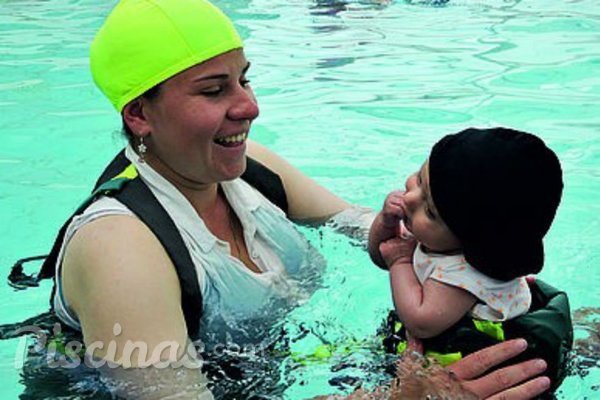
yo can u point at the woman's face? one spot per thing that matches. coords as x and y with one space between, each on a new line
422 218
200 121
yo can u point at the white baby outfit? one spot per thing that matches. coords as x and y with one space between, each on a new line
499 301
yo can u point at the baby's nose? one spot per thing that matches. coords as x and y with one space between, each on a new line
409 201
410 182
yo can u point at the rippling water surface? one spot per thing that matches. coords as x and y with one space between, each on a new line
354 93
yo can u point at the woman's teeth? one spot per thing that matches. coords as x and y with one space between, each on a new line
232 140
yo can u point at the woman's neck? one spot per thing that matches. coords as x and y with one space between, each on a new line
202 196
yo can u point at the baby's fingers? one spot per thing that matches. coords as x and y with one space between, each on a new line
393 208
394 199
397 249
395 196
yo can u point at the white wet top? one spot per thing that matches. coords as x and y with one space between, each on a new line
229 289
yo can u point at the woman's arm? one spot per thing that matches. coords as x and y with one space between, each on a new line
308 201
123 287
426 310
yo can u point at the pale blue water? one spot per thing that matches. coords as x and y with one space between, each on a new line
354 93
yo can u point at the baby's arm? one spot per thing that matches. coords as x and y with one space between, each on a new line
385 226
426 310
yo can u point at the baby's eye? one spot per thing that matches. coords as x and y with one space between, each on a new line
430 213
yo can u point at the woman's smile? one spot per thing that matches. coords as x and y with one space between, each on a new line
233 140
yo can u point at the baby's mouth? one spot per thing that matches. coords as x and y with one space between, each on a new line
405 231
407 222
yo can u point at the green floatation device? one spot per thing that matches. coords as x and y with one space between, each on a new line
547 327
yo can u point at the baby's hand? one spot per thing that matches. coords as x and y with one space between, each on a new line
393 210
386 226
398 250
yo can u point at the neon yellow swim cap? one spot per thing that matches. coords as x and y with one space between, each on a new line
144 42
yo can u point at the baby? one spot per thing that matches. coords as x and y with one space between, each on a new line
468 229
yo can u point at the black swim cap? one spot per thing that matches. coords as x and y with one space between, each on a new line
497 190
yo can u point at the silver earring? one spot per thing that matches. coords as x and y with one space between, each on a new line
141 148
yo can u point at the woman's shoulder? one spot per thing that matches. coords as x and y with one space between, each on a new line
116 272
110 241
107 240
111 258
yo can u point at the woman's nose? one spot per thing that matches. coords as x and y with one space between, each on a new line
245 106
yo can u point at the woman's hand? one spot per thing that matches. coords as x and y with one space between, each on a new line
510 383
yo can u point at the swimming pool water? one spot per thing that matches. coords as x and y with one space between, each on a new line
354 93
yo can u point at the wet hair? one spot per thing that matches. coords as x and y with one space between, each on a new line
151 94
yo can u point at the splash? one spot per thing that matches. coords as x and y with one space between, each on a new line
586 350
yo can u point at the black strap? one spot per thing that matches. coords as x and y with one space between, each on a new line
267 182
141 201
116 166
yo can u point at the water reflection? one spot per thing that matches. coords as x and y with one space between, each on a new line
333 7
330 19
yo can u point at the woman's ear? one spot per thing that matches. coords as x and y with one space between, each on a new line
134 117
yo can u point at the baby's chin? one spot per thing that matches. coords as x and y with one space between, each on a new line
447 252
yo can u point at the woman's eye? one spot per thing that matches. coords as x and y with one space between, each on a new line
212 91
244 82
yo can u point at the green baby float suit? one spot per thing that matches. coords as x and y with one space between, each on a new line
547 327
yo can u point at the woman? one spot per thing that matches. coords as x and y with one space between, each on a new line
176 72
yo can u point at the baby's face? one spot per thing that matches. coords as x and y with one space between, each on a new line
421 216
